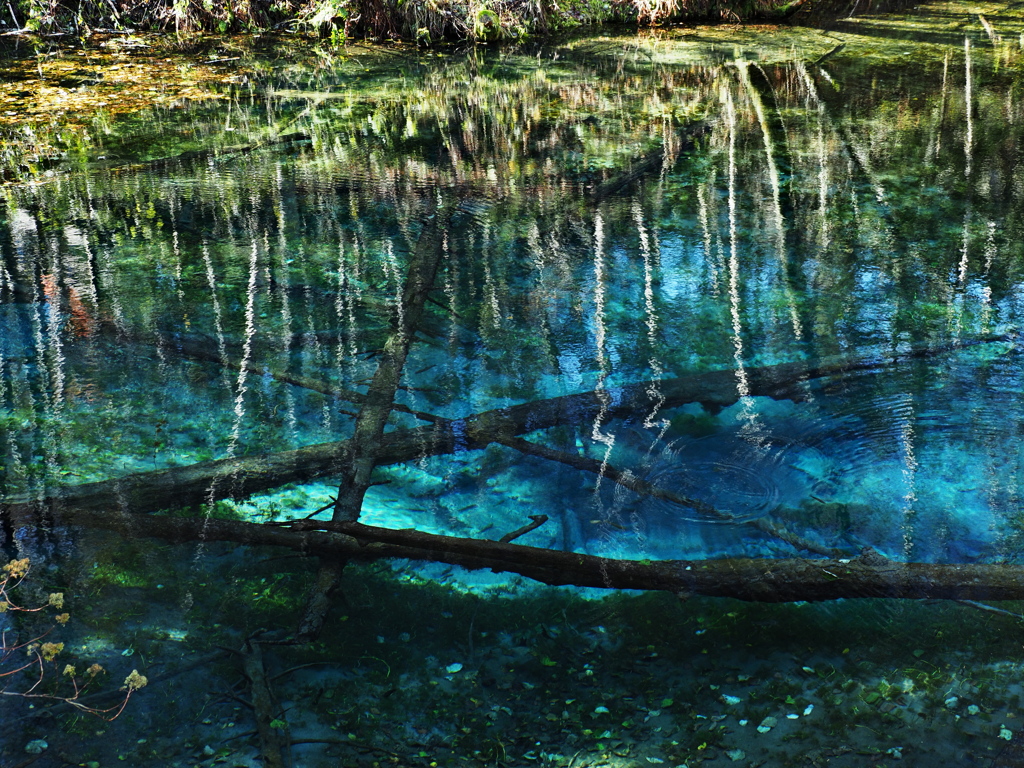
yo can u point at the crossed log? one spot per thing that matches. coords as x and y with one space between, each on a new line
126 504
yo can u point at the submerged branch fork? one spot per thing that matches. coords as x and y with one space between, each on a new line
536 522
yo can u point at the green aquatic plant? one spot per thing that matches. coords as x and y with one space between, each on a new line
699 424
219 510
486 25
117 575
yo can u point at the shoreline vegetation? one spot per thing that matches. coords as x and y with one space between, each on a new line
423 22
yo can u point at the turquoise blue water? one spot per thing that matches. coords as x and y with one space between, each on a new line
613 215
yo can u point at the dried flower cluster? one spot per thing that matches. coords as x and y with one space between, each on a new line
13 670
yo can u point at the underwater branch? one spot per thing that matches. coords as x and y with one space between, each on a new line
638 485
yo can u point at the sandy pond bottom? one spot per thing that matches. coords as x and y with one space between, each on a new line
413 672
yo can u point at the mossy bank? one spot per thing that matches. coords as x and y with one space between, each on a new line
424 22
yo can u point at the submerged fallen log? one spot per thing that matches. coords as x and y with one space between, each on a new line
758 580
272 729
237 478
360 457
279 140
646 165
356 469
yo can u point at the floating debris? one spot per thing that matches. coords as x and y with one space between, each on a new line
767 724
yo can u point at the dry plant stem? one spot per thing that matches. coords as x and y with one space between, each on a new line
35 653
35 660
74 699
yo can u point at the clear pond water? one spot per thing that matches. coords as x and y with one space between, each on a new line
219 282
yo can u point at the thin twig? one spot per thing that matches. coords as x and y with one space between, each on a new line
347 742
990 609
301 666
538 521
329 505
